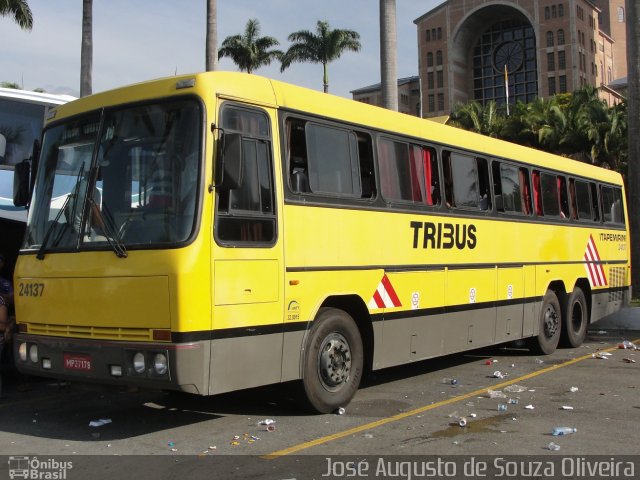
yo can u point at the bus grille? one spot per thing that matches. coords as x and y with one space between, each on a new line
75 331
617 278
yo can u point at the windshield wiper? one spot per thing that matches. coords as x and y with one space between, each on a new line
71 196
51 228
112 235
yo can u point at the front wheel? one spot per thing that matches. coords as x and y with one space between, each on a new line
549 327
575 322
333 361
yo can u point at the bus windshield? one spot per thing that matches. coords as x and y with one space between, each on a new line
128 176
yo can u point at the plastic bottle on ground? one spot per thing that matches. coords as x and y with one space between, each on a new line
563 431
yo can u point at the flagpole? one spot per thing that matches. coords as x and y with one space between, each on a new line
506 86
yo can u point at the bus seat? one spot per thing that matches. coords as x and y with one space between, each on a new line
299 177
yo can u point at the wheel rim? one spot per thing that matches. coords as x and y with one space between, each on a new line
334 362
576 317
551 322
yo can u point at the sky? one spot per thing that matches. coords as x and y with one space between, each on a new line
138 40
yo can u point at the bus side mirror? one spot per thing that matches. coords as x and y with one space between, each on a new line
229 164
22 184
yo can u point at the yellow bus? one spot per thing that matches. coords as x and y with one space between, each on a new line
221 231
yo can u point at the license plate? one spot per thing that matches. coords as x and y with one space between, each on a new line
74 361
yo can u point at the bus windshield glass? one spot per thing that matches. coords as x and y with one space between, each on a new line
128 177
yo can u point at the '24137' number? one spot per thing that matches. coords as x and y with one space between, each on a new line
31 289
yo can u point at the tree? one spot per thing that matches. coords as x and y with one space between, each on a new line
388 54
86 52
9 85
578 125
477 118
633 97
250 51
212 36
323 47
20 11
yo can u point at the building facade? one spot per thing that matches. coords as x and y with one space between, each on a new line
517 50
408 95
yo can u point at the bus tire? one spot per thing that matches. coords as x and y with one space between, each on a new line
333 361
550 326
575 321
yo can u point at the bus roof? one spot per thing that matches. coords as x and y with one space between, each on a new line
35 97
263 91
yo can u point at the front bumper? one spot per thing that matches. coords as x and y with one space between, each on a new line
112 362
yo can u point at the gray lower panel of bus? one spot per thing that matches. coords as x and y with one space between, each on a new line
421 337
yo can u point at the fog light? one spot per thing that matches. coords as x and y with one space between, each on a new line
160 363
116 370
138 362
46 363
33 353
22 352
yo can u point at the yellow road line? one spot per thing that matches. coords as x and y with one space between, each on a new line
426 408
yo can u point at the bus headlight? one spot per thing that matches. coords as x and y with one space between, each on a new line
22 352
160 363
138 362
33 353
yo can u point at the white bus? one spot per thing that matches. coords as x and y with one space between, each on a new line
22 115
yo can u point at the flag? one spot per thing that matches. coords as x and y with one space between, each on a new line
506 85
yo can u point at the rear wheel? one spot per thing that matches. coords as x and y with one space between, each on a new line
333 361
574 328
550 326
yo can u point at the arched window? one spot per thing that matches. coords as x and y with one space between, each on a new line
429 59
620 14
561 37
428 35
561 10
549 38
439 57
554 12
439 33
547 13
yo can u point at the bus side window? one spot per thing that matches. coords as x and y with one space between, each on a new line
537 193
367 172
297 156
573 201
448 179
511 189
498 193
595 203
562 196
612 204
550 195
583 207
525 190
467 181
483 184
431 177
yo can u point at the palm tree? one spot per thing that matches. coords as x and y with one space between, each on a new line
212 36
322 47
86 52
250 51
20 11
633 96
388 54
477 118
